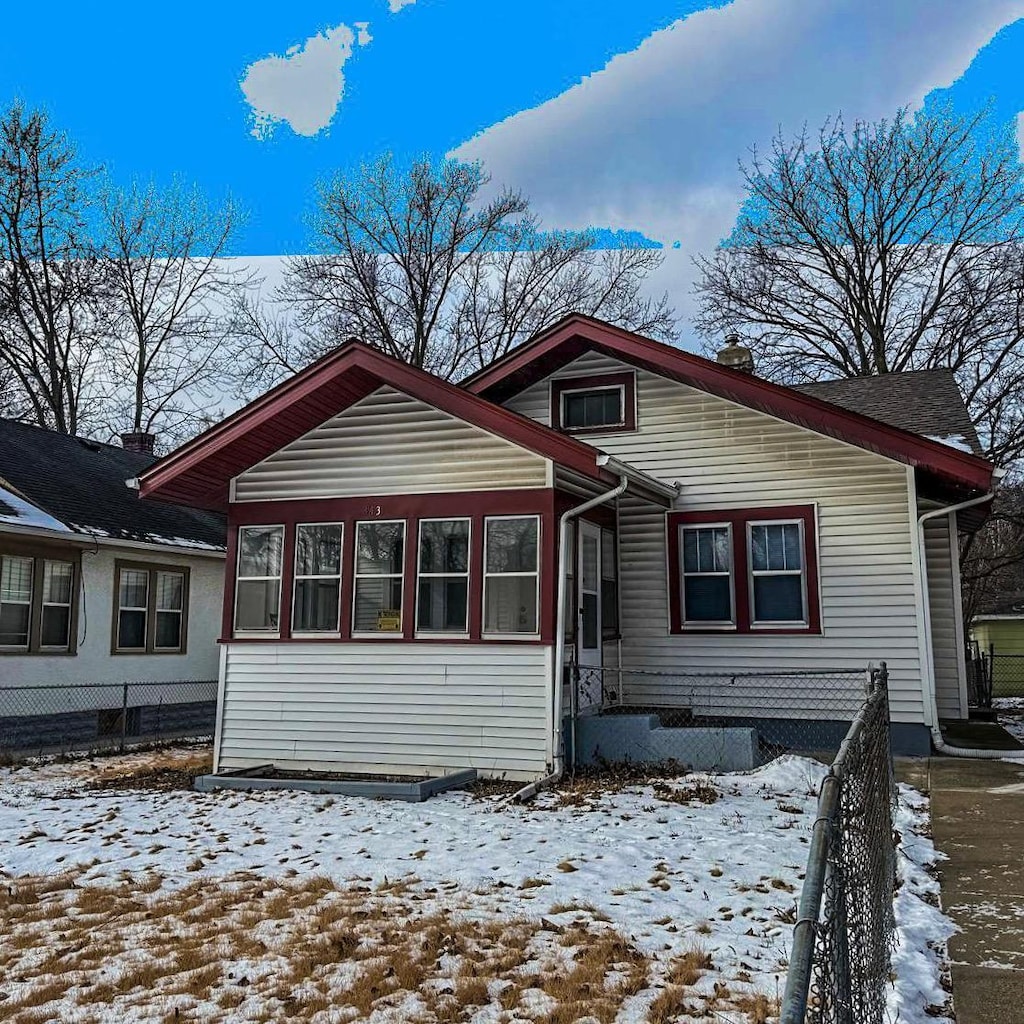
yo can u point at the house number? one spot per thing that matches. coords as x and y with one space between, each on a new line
374 511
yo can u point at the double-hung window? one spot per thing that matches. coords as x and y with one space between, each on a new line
15 601
258 585
37 604
150 609
511 552
379 576
442 603
55 606
745 570
316 604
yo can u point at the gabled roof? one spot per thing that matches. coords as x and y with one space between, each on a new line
571 337
54 482
199 472
926 402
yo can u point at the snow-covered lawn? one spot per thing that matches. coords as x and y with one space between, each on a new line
1011 715
660 902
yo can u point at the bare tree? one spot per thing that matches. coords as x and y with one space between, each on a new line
53 295
415 263
889 246
169 360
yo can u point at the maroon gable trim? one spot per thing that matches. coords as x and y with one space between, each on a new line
572 337
198 473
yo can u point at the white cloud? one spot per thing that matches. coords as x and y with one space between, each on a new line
652 140
396 5
304 87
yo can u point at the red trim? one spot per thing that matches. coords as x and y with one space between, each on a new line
738 518
474 505
573 336
199 472
627 381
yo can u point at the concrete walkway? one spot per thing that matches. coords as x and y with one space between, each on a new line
978 823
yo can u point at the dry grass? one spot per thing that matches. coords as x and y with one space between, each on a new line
248 948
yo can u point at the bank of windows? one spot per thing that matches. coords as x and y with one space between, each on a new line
510 589
151 609
36 600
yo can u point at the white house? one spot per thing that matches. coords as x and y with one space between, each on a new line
99 589
412 563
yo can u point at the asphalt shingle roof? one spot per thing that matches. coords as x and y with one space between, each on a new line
925 402
82 483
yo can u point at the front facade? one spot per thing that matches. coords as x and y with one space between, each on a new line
411 564
98 590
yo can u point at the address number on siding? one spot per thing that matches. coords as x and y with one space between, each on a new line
373 511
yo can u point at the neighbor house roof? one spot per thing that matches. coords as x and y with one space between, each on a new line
571 337
926 402
200 471
58 483
1008 605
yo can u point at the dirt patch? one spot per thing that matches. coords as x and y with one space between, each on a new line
162 771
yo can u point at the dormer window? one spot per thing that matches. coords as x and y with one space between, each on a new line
600 403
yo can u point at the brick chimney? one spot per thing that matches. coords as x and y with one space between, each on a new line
736 355
138 441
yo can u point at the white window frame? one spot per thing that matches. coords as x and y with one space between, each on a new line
249 632
712 624
536 574
133 608
336 631
373 634
69 604
756 623
31 595
621 388
443 634
158 611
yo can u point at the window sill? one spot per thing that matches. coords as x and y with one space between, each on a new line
429 635
607 428
517 638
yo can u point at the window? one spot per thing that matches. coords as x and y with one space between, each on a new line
150 609
609 586
316 604
442 604
600 402
380 568
38 601
57 595
511 552
777 585
707 575
258 586
15 601
744 570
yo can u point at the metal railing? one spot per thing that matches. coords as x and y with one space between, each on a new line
844 935
86 716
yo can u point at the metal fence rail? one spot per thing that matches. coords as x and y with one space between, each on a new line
87 716
844 935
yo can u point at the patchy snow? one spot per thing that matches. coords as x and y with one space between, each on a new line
24 513
957 441
668 873
1010 713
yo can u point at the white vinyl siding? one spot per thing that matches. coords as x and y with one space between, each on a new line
725 455
389 443
387 708
939 553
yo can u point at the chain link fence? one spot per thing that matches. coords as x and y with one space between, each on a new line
706 721
95 716
845 930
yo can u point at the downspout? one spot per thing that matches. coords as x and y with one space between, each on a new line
558 754
932 695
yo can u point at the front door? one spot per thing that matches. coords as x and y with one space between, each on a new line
588 597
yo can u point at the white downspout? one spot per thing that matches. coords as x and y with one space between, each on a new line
932 695
558 754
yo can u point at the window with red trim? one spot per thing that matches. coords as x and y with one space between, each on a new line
747 570
598 403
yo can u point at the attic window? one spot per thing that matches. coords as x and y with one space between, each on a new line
599 403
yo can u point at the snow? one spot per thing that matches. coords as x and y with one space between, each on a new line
667 875
26 514
957 441
1011 715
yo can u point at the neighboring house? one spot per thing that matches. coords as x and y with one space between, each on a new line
998 631
394 546
99 588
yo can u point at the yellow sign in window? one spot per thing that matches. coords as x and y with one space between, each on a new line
389 620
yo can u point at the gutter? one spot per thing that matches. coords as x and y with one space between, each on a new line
558 753
84 537
932 695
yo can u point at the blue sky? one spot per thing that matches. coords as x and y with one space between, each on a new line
626 116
